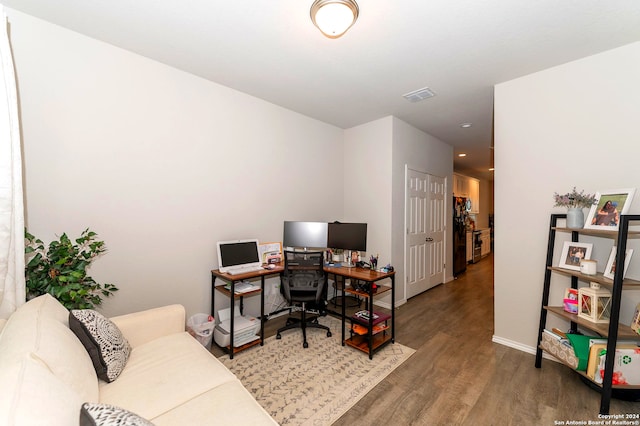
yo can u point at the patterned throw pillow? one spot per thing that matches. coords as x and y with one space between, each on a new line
108 415
107 347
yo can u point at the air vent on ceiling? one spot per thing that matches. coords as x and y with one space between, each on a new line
419 95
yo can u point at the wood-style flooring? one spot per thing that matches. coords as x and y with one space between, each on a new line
458 376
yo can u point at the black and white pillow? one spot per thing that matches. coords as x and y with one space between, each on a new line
107 347
108 415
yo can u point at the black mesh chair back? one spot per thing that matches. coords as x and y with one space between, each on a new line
304 278
303 282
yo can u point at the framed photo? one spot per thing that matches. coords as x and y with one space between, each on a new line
610 204
270 252
610 269
573 253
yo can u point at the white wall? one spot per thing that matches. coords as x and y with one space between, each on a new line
376 185
572 125
367 183
160 163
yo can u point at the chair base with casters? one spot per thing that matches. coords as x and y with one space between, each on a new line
303 323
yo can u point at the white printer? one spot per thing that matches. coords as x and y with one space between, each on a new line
244 327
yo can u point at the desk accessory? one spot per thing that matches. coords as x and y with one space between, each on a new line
386 269
373 262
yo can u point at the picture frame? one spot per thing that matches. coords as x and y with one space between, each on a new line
270 252
635 321
610 269
610 204
573 253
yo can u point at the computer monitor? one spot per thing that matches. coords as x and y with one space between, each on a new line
238 254
304 234
347 236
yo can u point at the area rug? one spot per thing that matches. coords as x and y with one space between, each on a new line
313 386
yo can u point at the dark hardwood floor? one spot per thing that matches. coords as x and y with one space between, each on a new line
458 376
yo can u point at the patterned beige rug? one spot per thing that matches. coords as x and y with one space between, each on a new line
313 386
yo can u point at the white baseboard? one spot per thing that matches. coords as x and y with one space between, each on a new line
519 346
513 344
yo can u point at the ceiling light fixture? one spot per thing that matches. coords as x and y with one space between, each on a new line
462 154
466 125
334 17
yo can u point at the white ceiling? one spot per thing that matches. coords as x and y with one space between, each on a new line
271 50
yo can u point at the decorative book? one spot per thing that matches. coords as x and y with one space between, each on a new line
362 317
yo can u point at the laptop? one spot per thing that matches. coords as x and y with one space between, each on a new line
238 256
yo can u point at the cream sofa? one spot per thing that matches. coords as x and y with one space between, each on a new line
169 379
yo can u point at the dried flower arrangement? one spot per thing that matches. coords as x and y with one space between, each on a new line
574 199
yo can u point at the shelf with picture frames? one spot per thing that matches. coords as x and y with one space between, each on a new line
611 330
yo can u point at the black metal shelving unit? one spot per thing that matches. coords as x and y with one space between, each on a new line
614 330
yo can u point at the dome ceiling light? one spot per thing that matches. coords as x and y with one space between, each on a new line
334 17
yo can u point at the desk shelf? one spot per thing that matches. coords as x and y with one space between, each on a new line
371 339
363 330
243 347
215 273
378 291
362 342
227 292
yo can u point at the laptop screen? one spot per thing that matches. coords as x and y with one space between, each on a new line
238 253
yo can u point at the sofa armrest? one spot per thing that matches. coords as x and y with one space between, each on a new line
144 326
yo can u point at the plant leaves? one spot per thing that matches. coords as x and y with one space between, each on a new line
61 270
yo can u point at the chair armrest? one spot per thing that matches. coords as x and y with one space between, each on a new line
144 326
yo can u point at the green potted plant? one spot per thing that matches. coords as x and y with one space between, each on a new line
61 270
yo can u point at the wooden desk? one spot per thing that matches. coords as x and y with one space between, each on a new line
232 279
362 274
370 277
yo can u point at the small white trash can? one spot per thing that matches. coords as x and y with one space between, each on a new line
201 327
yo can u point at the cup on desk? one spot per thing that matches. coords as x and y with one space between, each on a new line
588 267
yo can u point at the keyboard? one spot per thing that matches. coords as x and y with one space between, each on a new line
239 271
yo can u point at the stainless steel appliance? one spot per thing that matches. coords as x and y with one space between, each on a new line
477 246
460 212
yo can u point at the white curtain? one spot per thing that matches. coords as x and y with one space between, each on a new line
12 284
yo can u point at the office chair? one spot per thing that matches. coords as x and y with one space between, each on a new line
303 282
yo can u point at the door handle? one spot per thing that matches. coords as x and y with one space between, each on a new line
429 239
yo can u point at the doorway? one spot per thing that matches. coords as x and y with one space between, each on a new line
425 231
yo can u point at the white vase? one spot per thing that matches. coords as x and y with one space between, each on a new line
575 218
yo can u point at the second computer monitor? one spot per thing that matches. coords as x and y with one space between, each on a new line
305 234
347 236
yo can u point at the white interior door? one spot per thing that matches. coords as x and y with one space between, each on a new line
425 231
436 230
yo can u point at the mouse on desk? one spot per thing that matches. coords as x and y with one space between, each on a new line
270 266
